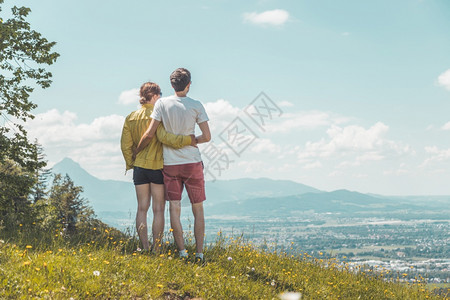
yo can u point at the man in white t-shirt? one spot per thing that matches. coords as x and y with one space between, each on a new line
182 167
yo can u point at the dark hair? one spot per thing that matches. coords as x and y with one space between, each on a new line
179 79
147 91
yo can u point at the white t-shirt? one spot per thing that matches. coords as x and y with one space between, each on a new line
179 116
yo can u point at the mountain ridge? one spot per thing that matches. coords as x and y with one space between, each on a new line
115 201
245 193
103 195
115 195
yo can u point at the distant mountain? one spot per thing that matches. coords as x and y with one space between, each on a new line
113 195
103 195
115 201
244 188
433 201
339 201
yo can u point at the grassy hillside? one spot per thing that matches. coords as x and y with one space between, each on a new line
109 267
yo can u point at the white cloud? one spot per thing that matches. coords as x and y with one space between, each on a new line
335 174
436 155
370 156
356 137
313 165
285 104
444 79
287 167
355 143
95 145
57 129
220 108
346 164
360 175
265 146
53 117
221 113
129 97
304 120
274 17
446 126
102 159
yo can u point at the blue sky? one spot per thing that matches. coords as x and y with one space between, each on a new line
364 86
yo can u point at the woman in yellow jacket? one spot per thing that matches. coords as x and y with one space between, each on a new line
147 165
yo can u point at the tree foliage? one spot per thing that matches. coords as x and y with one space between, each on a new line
41 177
15 186
29 207
23 52
70 207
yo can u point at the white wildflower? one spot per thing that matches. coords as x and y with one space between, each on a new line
96 273
290 296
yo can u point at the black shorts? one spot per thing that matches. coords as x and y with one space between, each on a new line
144 176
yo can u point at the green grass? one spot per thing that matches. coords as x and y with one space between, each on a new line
233 269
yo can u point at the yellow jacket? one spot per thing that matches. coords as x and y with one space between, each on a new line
151 157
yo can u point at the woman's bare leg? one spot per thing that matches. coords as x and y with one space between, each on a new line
159 203
143 194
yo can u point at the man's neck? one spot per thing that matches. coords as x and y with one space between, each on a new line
181 94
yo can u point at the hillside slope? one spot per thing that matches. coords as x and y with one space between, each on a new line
232 270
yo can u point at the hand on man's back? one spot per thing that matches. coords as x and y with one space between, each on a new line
193 141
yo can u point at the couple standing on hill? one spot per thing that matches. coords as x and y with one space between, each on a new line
165 127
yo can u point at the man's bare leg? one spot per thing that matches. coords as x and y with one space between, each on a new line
143 194
199 226
158 206
175 223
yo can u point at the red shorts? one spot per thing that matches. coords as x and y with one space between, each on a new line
189 175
